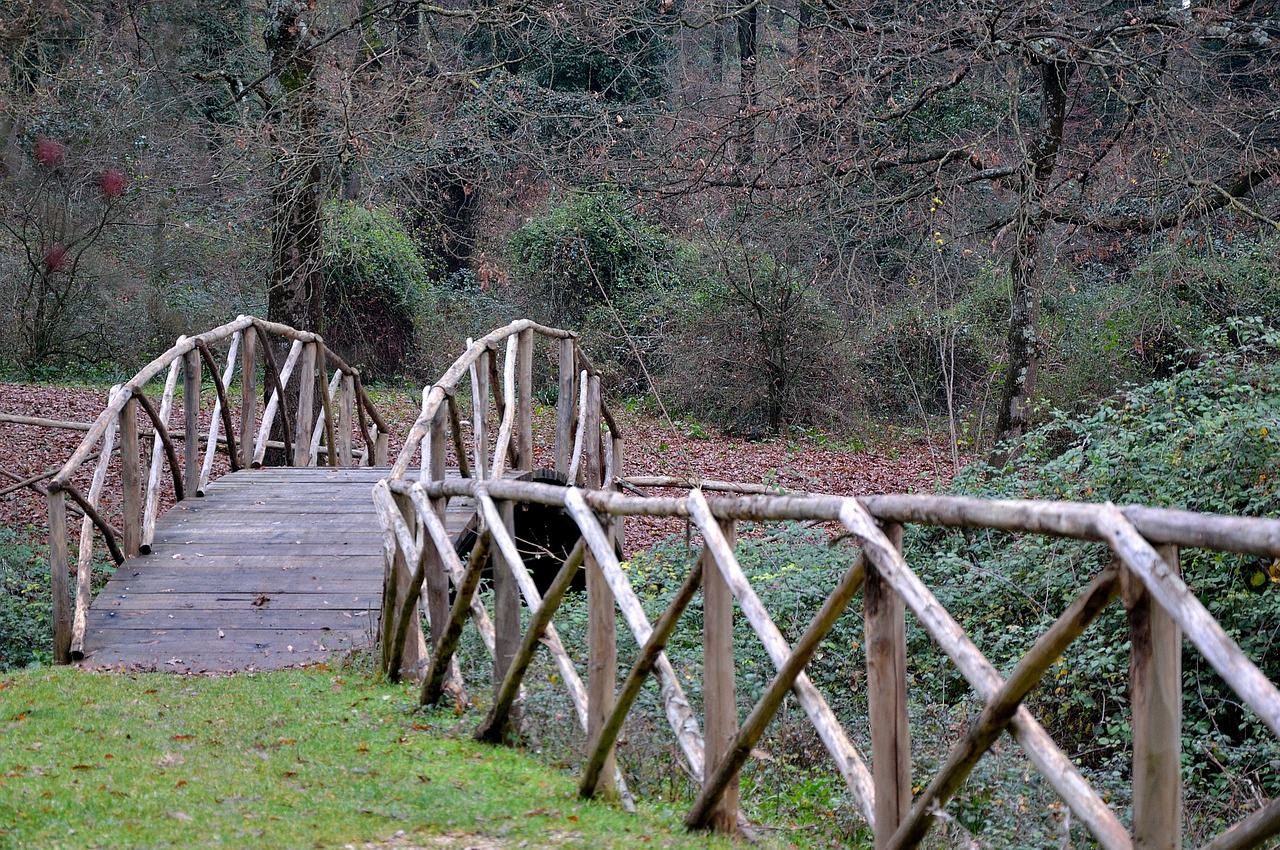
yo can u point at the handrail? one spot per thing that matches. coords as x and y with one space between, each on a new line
1145 543
141 499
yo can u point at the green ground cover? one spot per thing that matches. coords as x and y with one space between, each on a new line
306 758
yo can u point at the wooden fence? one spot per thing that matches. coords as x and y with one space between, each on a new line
1145 544
241 427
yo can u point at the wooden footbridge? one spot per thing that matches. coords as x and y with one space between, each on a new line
280 566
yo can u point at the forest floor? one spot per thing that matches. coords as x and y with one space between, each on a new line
808 461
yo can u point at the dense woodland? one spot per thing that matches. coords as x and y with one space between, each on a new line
771 215
978 217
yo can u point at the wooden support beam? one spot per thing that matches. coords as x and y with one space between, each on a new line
248 394
306 406
506 598
480 413
719 695
59 583
565 405
446 645
600 747
1000 709
346 408
326 403
130 479
491 728
191 417
524 402
1155 683
437 582
602 646
886 636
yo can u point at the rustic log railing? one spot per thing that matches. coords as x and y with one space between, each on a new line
1144 542
235 428
421 561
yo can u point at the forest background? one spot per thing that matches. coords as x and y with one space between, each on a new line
825 217
791 214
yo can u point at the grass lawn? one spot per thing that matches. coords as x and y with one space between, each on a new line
296 759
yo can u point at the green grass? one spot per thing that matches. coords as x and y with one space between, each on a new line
297 759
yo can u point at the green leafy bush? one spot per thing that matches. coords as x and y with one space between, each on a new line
377 286
1202 439
754 345
591 263
26 611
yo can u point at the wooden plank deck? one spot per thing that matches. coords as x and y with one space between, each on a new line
272 568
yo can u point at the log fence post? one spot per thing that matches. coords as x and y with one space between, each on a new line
306 406
436 583
60 585
248 395
130 478
719 694
1155 681
346 407
326 406
191 368
524 401
602 648
884 613
565 404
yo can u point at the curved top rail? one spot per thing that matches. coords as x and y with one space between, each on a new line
434 395
182 347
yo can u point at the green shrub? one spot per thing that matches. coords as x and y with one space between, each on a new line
1203 440
755 346
592 264
376 286
26 610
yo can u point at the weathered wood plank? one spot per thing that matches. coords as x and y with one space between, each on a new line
213 559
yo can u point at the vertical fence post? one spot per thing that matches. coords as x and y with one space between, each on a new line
1155 677
436 584
130 478
60 585
191 421
414 654
619 523
602 648
886 637
306 406
718 688
506 609
248 396
480 415
326 406
346 409
566 404
524 401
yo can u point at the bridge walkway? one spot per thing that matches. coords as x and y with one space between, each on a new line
274 567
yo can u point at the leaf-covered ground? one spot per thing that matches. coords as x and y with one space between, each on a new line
654 447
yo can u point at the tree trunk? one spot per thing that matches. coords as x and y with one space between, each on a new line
1026 348
296 295
748 22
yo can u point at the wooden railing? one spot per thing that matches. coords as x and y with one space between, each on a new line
1145 544
235 428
